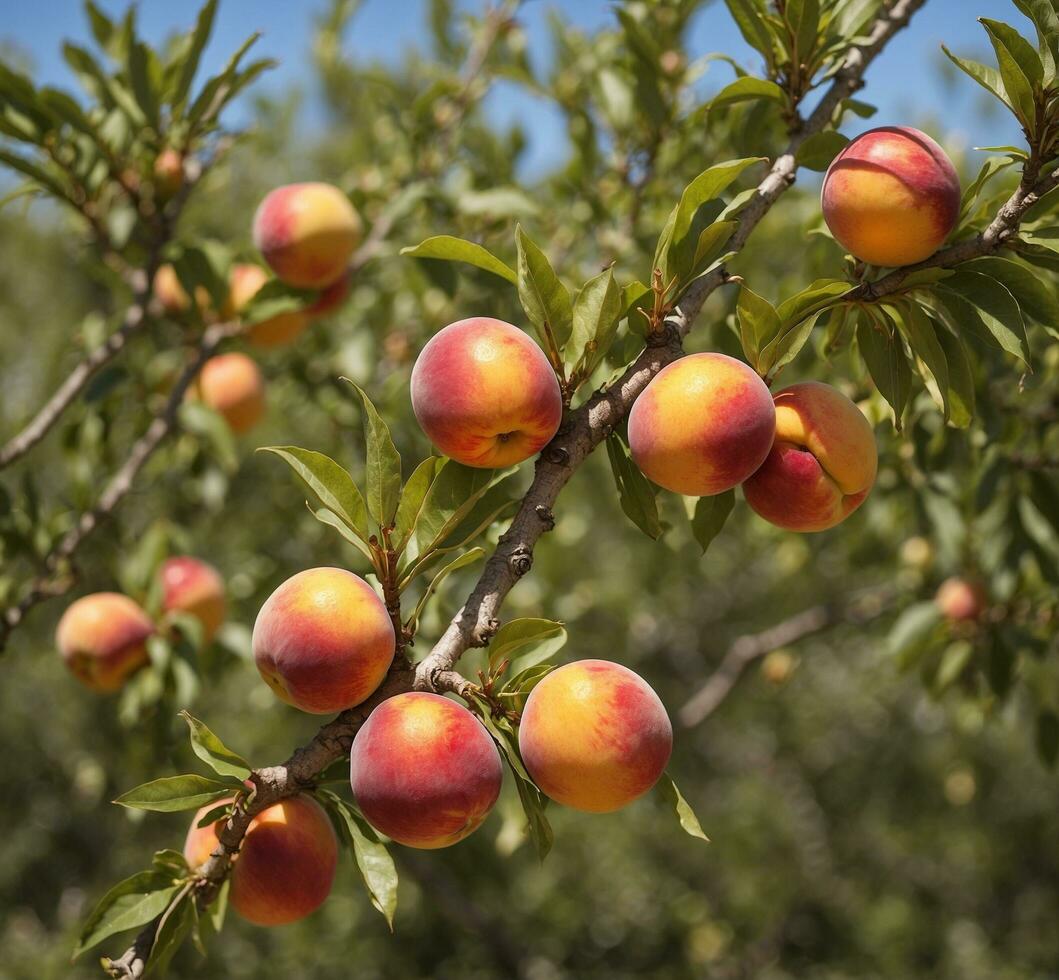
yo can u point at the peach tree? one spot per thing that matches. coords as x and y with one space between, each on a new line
928 323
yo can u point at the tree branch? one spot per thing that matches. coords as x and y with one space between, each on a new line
54 580
588 426
861 608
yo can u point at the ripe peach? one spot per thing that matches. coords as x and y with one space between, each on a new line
594 736
286 865
702 425
169 291
168 172
244 281
485 394
424 771
307 233
822 464
232 384
194 587
323 641
891 197
961 600
103 639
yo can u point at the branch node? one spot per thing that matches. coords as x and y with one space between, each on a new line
521 561
544 512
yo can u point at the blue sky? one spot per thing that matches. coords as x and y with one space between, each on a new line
905 82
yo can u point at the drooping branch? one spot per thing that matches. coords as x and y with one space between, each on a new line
581 433
54 578
859 609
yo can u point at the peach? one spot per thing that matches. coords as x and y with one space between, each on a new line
232 385
168 290
286 865
194 587
891 196
424 771
244 281
323 641
103 639
702 426
822 464
961 600
485 394
168 172
594 736
307 233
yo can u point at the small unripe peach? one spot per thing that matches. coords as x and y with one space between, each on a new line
822 465
194 587
168 172
232 385
485 394
103 639
244 281
323 641
703 425
424 771
307 233
961 600
594 736
286 865
891 196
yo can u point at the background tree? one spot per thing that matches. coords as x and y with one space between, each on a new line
872 792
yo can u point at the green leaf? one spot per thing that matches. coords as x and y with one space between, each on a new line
412 496
676 247
803 16
961 380
817 152
745 89
712 239
189 63
1047 737
887 363
987 77
274 299
1045 17
451 497
172 793
332 520
672 797
129 904
450 249
138 67
758 323
467 558
922 338
754 27
211 750
32 170
709 516
595 321
912 631
544 298
1020 66
953 662
634 492
1032 295
383 468
329 483
374 861
177 922
526 643
211 99
994 307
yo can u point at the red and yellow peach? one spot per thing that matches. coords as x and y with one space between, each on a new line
594 736
485 394
194 587
703 425
244 281
822 464
424 771
103 639
307 233
168 172
891 196
961 600
323 641
232 384
286 865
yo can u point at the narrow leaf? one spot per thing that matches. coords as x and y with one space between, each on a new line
172 793
450 249
383 469
211 750
667 790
